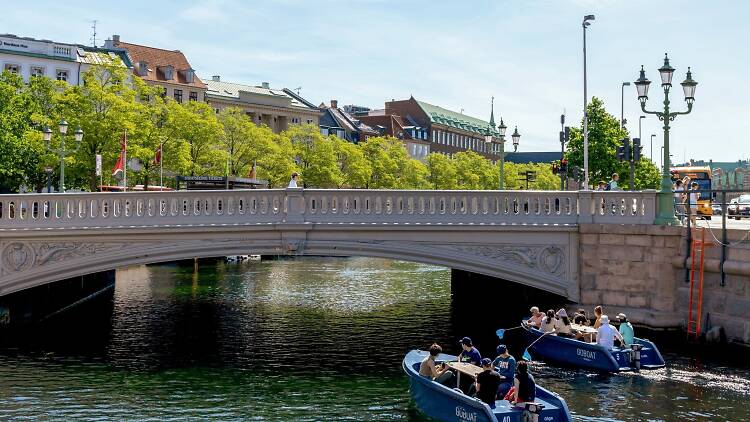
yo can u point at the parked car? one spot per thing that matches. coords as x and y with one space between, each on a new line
739 207
716 209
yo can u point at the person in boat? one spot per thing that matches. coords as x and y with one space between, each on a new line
562 324
536 317
580 318
487 383
505 364
470 354
606 334
549 322
626 329
598 314
524 387
438 373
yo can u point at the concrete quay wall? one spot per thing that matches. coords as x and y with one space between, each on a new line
640 270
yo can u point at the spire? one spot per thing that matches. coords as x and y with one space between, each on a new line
492 114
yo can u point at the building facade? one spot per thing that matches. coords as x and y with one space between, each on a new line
413 136
29 57
275 108
168 69
336 121
447 131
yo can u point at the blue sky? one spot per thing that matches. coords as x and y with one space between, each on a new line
456 54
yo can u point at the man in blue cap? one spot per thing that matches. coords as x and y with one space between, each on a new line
505 364
470 354
487 383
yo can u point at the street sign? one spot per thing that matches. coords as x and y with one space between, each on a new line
98 164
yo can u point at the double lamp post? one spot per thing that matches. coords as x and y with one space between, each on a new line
665 214
489 138
62 151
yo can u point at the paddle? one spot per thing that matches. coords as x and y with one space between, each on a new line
526 355
501 332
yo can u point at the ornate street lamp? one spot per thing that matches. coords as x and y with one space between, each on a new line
62 152
489 137
665 214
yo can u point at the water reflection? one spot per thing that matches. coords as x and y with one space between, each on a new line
302 339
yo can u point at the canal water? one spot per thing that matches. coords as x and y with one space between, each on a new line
307 339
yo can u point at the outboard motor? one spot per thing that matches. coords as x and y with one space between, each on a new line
531 411
635 356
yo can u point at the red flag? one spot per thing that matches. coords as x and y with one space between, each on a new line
120 166
157 155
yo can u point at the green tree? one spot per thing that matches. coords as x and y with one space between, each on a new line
441 172
388 157
197 132
355 169
605 134
316 156
415 175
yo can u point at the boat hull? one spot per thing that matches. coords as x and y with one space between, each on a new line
571 352
447 404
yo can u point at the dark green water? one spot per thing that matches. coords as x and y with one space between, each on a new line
304 339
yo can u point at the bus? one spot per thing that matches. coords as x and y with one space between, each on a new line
702 176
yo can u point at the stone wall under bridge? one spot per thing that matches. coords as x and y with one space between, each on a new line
641 270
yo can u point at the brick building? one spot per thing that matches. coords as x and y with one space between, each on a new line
447 131
412 135
169 69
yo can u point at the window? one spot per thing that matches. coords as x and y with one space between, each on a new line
12 68
36 71
61 75
216 110
309 121
193 96
178 95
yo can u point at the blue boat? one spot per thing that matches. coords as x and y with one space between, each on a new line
447 404
643 354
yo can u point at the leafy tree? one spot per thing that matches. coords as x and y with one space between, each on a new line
415 175
150 116
605 134
441 173
195 128
355 169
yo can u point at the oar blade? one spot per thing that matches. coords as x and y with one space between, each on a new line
526 355
500 333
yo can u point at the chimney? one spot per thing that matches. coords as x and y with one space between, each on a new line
115 40
334 104
265 85
216 78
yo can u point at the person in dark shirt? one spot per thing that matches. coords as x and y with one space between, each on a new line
505 364
580 318
525 387
487 383
470 354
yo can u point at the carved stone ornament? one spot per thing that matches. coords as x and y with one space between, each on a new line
549 259
20 256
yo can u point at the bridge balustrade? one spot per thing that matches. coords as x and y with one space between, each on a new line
325 206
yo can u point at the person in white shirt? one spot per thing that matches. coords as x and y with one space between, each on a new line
606 334
293 181
549 322
562 325
694 197
679 200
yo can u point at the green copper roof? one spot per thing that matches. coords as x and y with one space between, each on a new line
450 118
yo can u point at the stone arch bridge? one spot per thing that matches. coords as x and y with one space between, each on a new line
527 237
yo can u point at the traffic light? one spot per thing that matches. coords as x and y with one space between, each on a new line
555 167
564 166
627 149
637 147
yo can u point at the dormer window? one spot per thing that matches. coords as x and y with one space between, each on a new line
168 72
142 68
189 75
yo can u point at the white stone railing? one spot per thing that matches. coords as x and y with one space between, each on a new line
192 208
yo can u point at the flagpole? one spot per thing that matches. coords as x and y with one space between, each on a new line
161 166
125 160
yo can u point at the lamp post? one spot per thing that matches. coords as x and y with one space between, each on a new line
62 151
651 154
640 119
585 24
622 103
48 170
489 138
665 214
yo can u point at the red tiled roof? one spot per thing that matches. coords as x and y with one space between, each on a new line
157 58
